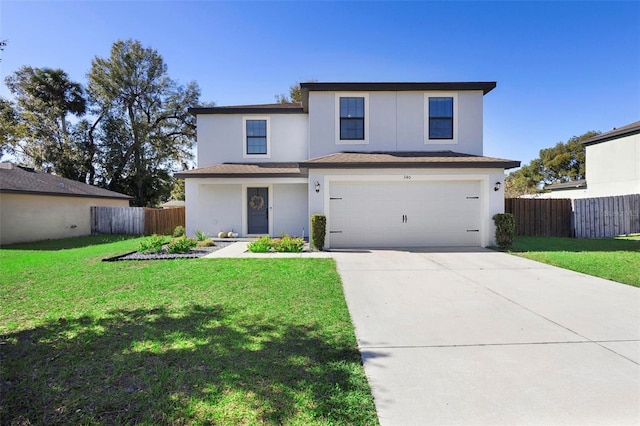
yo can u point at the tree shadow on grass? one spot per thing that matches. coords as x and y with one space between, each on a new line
576 245
196 365
69 243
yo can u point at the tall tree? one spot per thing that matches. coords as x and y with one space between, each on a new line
45 98
147 128
295 94
563 162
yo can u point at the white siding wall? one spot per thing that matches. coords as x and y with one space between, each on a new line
613 167
28 217
213 208
493 201
290 211
220 138
397 122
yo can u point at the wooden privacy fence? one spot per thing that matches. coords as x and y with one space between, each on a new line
163 221
135 220
541 217
607 216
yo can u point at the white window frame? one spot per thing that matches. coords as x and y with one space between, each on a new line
244 136
453 141
364 141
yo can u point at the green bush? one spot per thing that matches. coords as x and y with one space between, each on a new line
288 244
181 245
178 231
261 245
151 245
505 230
205 243
318 230
201 236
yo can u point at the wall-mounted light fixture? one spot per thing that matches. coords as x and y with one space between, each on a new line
497 186
317 186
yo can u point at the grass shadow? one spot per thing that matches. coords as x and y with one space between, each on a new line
163 366
69 243
554 244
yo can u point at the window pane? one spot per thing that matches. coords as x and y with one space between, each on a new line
440 128
256 145
352 107
257 128
440 107
351 128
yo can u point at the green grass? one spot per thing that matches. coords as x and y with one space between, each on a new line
186 341
616 259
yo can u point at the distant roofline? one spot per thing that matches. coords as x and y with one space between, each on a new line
563 186
301 108
617 133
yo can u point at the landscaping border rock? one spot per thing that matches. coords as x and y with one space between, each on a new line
164 255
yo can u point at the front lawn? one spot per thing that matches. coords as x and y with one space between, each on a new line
186 341
616 259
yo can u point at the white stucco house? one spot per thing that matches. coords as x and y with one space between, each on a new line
389 164
38 206
612 166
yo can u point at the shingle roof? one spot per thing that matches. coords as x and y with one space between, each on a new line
485 86
255 170
574 184
619 132
419 159
290 108
23 180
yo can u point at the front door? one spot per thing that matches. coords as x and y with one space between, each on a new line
258 210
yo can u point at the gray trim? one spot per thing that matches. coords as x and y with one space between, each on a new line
485 86
628 130
415 165
240 175
61 194
249 109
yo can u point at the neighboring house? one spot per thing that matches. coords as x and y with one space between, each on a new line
389 164
38 206
172 204
612 166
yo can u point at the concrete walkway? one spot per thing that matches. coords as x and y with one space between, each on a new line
477 337
239 250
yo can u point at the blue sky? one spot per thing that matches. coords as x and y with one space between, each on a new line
562 68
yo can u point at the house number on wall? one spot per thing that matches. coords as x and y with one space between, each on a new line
407 177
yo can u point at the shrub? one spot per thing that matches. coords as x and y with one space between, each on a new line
150 245
201 236
205 243
505 230
178 231
261 245
288 244
181 245
318 230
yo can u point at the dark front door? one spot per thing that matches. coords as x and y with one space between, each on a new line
258 210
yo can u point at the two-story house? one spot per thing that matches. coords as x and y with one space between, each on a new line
389 164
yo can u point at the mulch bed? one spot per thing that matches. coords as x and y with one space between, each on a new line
164 255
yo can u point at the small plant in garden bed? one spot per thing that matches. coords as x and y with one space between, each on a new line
150 245
178 231
286 244
261 245
181 245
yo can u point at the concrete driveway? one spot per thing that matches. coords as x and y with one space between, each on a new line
476 337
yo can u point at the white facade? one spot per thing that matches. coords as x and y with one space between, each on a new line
439 200
613 167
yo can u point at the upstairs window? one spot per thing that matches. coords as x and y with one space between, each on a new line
256 137
441 118
352 118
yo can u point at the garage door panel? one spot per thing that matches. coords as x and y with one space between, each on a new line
404 214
